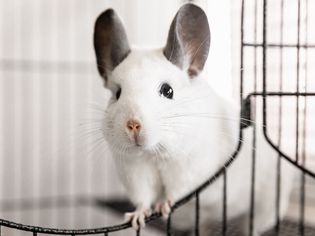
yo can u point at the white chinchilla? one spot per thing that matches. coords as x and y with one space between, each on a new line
169 131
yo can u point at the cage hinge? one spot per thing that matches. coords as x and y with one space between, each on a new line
246 113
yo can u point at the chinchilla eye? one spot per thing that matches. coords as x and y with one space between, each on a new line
166 91
118 93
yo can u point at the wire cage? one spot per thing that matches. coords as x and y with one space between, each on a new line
258 98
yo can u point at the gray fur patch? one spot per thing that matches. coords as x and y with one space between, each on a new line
188 40
110 42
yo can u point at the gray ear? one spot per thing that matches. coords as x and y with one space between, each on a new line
188 39
110 42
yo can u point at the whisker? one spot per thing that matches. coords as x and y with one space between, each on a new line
98 142
206 115
181 124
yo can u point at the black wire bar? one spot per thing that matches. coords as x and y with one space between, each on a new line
278 171
301 218
253 181
302 187
169 225
275 45
297 84
253 110
224 223
197 218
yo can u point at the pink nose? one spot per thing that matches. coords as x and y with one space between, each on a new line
134 126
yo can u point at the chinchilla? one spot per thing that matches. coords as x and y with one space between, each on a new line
169 131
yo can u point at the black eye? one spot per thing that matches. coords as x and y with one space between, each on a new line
118 93
166 91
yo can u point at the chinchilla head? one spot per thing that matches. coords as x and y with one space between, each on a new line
155 93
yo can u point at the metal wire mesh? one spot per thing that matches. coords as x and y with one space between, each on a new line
264 48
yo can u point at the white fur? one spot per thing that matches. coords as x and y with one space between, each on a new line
184 141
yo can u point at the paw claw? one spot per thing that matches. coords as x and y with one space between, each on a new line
148 213
137 218
157 207
164 208
134 223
